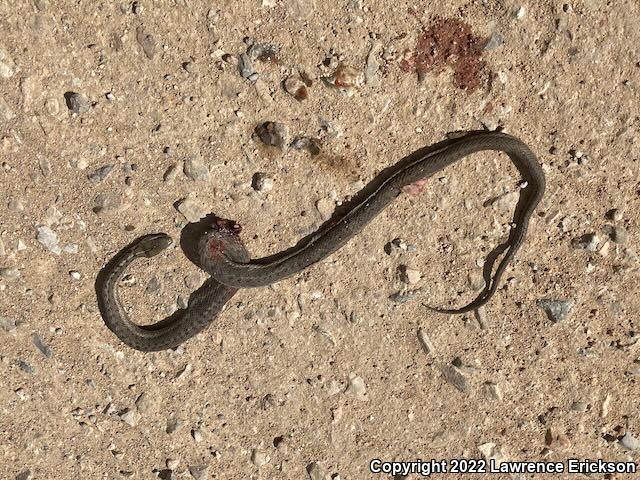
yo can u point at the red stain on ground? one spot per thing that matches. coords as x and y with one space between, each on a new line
448 42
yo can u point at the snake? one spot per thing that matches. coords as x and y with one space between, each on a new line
224 256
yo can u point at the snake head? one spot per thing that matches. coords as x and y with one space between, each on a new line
152 244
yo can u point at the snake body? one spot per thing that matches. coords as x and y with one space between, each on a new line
223 255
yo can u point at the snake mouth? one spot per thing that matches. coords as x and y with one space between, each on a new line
224 225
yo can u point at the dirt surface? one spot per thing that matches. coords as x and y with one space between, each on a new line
119 119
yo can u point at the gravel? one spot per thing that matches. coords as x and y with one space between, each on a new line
315 471
192 210
630 442
589 242
495 40
199 472
261 182
147 42
41 346
76 102
100 174
326 207
455 378
272 133
48 239
356 387
556 310
245 67
616 233
195 169
9 274
259 458
425 342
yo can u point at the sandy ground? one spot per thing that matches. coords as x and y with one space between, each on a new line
315 376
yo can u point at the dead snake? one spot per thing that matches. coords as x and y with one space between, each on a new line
224 256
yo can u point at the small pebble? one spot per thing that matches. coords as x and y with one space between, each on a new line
425 342
52 216
630 442
100 174
77 102
476 281
345 78
24 366
195 169
192 210
556 310
172 463
261 182
455 378
246 68
147 42
491 452
372 65
45 166
165 474
587 242
272 133
6 65
315 472
130 417
21 246
578 407
614 214
24 475
75 275
172 425
495 40
52 106
171 173
9 274
15 205
40 345
295 87
356 387
556 440
154 285
199 472
617 234
492 391
408 275
108 202
265 52
259 458
146 403
604 410
196 434
325 207
6 111
311 145
193 280
8 324
48 239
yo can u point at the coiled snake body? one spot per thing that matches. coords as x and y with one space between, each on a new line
223 255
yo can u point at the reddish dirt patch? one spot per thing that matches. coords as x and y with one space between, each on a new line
448 42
